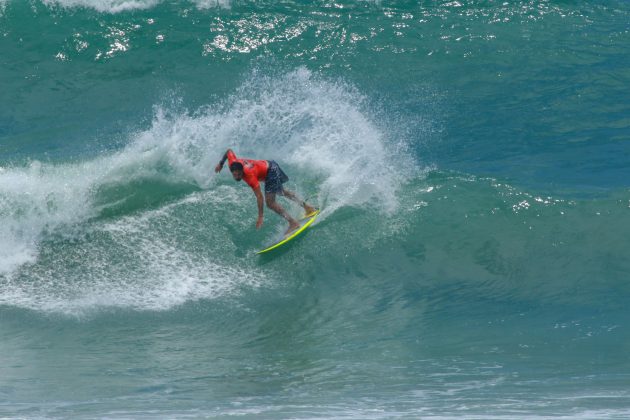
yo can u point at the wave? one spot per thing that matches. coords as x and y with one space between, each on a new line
151 227
53 214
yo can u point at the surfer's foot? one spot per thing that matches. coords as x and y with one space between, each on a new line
292 227
309 210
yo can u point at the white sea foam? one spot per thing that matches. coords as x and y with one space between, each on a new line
107 6
118 6
209 4
35 199
133 263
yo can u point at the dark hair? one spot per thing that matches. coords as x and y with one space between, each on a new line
236 166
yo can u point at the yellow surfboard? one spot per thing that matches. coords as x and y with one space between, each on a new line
304 223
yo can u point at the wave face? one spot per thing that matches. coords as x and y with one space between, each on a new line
469 159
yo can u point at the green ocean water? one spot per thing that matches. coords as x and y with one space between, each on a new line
470 160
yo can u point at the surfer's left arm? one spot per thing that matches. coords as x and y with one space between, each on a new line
260 202
225 157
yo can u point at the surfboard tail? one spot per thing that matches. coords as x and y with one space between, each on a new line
305 223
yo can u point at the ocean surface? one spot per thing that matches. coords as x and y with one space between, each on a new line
471 160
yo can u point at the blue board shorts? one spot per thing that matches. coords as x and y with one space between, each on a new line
275 178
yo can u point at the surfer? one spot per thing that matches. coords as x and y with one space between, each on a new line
268 171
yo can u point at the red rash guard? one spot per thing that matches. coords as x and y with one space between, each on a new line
254 171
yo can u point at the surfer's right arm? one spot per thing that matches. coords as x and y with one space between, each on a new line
225 157
259 202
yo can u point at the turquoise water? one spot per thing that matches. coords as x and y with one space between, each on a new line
470 159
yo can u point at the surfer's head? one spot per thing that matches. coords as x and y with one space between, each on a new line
237 170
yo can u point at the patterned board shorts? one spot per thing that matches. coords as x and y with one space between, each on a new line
275 178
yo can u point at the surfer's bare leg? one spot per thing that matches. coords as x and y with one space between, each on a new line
291 196
270 199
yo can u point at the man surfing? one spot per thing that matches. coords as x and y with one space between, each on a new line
269 172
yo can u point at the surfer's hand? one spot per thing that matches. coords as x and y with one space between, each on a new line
218 168
259 222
